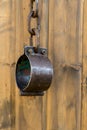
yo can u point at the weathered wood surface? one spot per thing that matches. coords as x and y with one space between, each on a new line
61 33
64 97
7 62
84 70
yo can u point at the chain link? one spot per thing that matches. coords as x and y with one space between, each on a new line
34 31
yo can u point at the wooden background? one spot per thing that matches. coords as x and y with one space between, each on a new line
64 33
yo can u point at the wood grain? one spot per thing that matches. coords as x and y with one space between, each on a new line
7 64
84 70
64 97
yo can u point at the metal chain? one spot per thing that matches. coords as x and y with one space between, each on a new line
34 31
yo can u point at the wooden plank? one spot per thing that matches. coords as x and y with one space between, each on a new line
64 97
7 62
84 71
